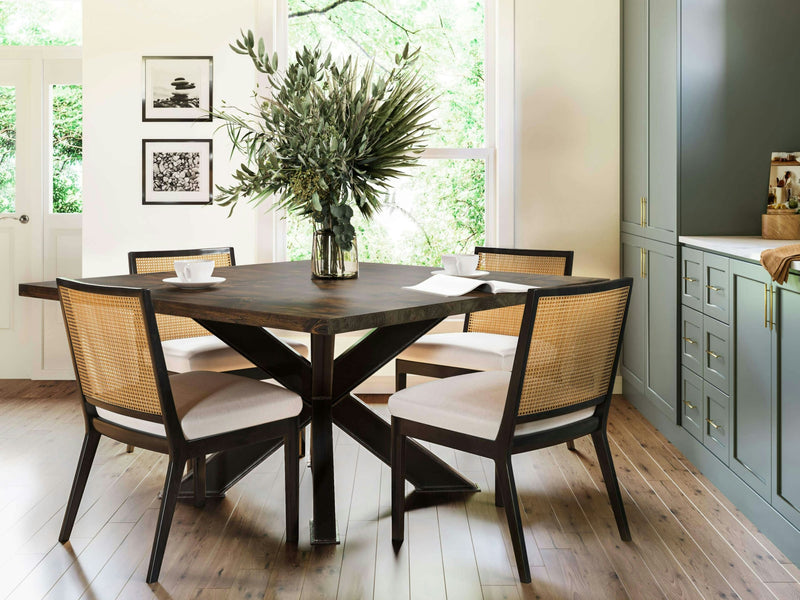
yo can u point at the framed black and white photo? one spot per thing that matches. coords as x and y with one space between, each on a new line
176 171
177 88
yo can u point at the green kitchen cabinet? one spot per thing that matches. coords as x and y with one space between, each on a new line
650 118
785 305
751 447
649 357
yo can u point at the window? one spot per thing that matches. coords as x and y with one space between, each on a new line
40 23
442 206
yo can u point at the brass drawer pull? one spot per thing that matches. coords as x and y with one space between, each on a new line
766 303
712 354
689 340
690 279
689 405
714 425
714 288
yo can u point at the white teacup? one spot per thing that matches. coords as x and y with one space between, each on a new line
194 270
459 264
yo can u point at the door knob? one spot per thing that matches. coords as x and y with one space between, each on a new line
24 219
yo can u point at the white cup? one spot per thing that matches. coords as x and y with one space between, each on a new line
459 264
194 270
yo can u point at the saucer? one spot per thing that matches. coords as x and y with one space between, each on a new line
473 274
194 285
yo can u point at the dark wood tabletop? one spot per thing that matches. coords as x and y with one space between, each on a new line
283 295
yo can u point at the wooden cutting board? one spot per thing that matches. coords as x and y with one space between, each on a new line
780 227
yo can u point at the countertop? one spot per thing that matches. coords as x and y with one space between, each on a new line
746 247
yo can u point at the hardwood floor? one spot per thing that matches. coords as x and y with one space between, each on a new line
688 540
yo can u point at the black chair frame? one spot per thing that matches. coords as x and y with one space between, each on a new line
175 445
507 443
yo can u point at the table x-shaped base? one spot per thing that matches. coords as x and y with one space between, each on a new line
325 383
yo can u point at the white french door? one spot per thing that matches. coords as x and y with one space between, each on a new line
35 243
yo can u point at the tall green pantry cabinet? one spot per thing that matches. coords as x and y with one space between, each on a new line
649 201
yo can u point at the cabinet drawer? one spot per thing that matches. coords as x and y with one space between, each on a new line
715 426
716 280
692 402
692 278
691 342
716 354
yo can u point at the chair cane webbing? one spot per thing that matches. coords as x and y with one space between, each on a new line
171 327
506 321
111 350
583 330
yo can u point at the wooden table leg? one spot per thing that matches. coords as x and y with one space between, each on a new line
323 525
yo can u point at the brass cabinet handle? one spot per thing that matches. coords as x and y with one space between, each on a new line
771 307
714 425
643 260
689 405
712 354
766 301
690 279
689 340
713 288
644 211
641 211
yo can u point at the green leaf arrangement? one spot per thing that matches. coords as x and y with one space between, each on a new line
327 135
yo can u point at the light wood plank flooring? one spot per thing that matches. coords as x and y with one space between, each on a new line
688 540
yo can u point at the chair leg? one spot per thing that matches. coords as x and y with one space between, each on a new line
600 440
199 478
498 494
169 499
292 484
505 474
88 450
398 463
400 380
571 445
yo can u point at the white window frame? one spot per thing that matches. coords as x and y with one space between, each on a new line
498 152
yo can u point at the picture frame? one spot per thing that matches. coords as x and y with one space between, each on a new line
177 88
177 171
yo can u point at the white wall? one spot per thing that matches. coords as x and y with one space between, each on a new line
567 127
116 35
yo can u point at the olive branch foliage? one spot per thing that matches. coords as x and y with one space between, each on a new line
327 135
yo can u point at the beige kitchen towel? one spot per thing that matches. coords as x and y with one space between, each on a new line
778 260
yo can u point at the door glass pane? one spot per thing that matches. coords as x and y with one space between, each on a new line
67 139
40 23
8 147
438 209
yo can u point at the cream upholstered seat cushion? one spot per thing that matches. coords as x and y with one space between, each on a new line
210 403
472 404
209 353
466 349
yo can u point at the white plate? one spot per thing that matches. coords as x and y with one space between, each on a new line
473 274
189 285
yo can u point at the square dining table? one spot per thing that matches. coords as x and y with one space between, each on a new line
283 295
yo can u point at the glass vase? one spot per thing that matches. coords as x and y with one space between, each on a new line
329 261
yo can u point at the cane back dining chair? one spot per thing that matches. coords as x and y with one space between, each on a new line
541 402
127 395
187 346
489 339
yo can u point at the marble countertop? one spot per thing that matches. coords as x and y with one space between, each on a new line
746 247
